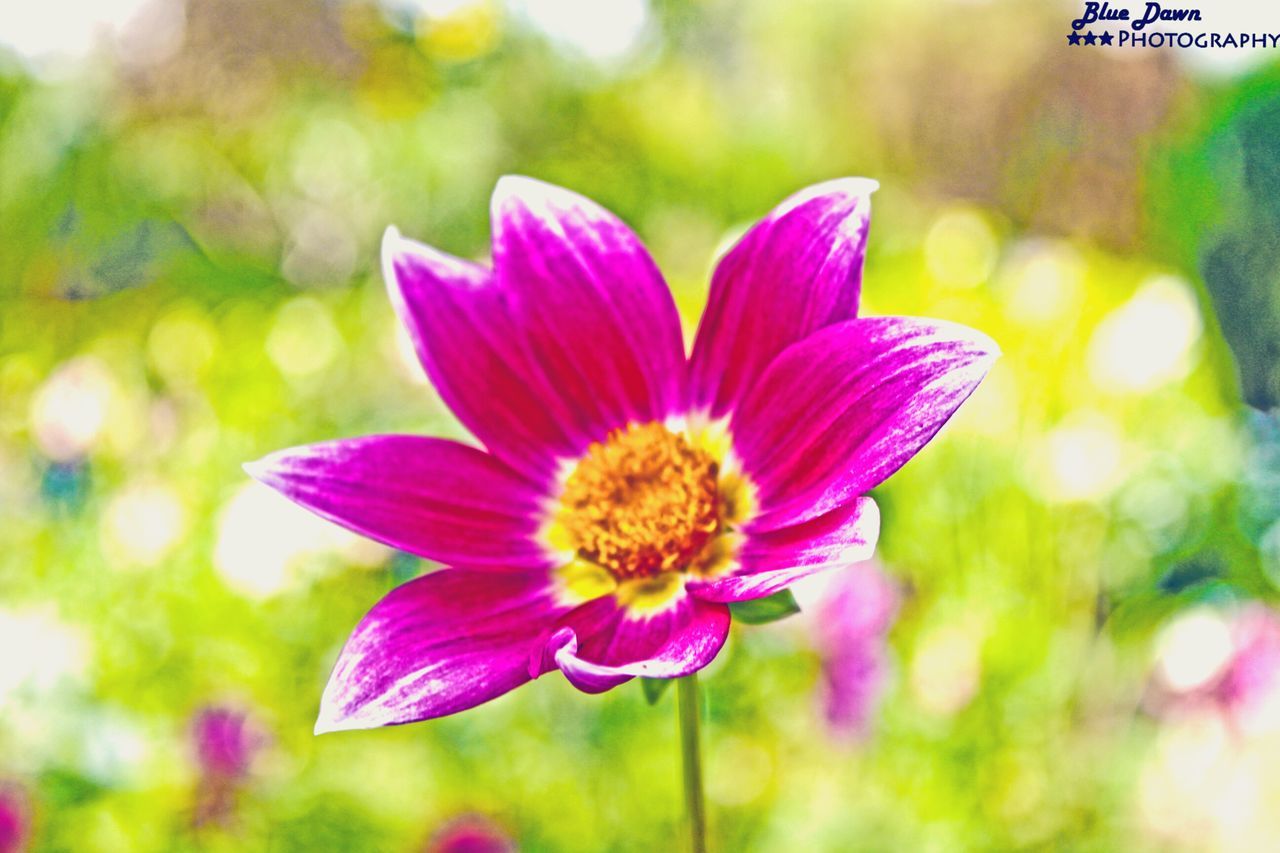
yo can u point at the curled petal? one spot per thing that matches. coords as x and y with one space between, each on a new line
772 560
461 326
594 313
435 498
839 412
439 644
603 643
797 270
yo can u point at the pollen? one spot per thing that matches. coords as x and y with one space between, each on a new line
642 502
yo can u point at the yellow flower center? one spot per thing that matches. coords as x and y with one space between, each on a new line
642 502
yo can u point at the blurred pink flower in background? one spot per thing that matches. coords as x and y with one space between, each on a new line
1252 676
1210 780
226 741
15 821
472 833
853 616
1226 660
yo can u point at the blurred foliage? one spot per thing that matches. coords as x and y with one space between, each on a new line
189 279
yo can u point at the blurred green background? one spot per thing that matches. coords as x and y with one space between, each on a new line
192 194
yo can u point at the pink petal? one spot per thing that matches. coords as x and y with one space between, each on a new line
461 326
773 560
797 270
439 644
591 307
435 498
602 644
839 412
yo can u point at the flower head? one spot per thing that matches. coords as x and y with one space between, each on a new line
225 741
1252 679
626 493
1224 661
856 611
14 819
471 834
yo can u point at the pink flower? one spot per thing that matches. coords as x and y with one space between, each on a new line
1252 675
1221 661
626 493
15 821
225 741
471 834
855 613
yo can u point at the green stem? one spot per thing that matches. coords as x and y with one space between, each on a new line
691 751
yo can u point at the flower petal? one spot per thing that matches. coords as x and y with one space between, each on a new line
604 643
461 326
439 644
773 560
839 412
593 310
435 498
797 270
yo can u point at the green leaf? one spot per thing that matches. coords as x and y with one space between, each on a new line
761 611
654 688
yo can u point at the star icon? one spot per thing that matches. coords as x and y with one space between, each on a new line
1090 38
1105 39
1074 38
